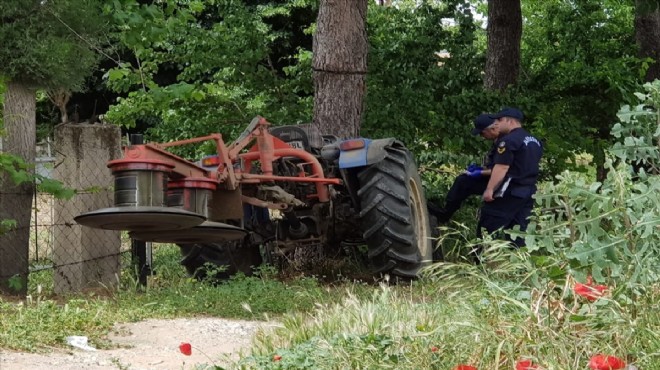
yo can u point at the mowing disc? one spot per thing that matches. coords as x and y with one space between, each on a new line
140 218
207 232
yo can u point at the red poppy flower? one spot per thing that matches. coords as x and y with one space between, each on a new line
604 362
526 365
434 349
465 367
589 290
277 358
185 348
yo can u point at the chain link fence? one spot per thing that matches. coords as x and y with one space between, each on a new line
80 257
42 239
41 231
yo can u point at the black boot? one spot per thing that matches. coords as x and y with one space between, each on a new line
440 214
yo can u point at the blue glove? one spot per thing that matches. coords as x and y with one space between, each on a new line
475 172
472 167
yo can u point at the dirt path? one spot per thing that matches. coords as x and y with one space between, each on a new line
147 345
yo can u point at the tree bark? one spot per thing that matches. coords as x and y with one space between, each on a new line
647 34
504 33
16 200
340 66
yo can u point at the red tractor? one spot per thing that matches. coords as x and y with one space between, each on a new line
270 192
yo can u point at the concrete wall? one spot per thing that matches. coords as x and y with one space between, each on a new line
84 257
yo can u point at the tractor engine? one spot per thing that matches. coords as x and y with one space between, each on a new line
307 222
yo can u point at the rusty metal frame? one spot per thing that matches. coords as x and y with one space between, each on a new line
265 148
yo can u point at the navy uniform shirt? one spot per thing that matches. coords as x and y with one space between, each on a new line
488 160
522 153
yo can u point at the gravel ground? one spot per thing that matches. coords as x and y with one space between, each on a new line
147 345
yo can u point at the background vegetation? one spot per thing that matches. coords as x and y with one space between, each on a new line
176 69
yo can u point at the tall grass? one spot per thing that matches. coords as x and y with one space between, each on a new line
489 315
485 315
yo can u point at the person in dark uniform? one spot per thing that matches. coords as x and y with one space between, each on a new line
474 180
508 196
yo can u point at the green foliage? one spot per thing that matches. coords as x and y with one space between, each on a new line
20 172
201 67
16 283
49 43
638 131
424 82
57 188
15 167
607 229
7 225
216 57
579 62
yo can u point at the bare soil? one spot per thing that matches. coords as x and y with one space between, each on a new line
147 345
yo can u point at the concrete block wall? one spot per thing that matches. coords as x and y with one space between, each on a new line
84 257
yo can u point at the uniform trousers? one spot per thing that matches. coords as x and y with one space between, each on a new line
505 213
463 187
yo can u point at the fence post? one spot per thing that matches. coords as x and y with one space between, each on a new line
84 257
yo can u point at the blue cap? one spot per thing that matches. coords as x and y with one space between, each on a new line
481 122
509 112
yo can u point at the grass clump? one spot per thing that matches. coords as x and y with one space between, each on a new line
489 316
393 329
35 325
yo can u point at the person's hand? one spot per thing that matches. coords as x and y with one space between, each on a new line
471 167
488 195
475 172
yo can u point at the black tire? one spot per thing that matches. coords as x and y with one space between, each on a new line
201 260
393 216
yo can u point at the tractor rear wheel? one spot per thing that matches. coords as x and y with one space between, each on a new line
393 216
219 261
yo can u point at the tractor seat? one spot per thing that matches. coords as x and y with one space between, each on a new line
305 136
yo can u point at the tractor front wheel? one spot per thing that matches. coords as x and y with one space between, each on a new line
393 216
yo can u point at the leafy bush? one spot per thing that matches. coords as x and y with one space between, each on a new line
638 132
19 172
608 229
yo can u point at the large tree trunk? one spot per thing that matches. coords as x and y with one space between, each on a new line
647 33
16 200
340 66
504 32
